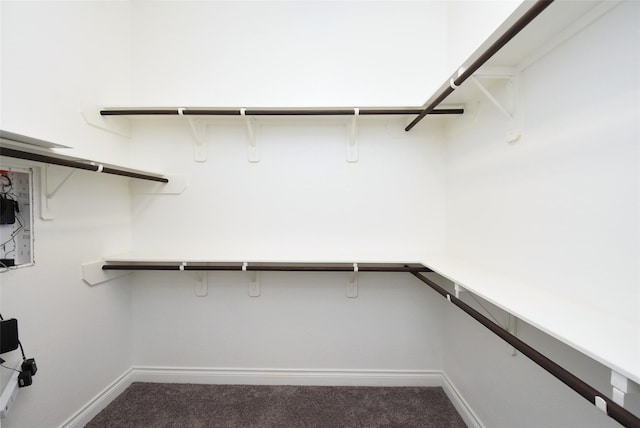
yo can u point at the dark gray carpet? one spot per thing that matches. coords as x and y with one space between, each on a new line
189 405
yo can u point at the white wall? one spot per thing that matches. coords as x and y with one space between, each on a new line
54 56
469 24
301 321
302 202
59 59
79 335
311 53
557 210
508 391
565 196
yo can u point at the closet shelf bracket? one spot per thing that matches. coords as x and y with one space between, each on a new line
352 145
198 129
512 112
621 387
91 115
254 281
52 193
253 150
457 288
93 274
202 284
49 190
352 284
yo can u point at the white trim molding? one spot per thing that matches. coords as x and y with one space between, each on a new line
248 376
466 412
100 401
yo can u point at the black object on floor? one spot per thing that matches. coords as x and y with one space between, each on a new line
191 405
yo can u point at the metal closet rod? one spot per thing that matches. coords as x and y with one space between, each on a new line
19 154
271 267
177 111
511 32
613 409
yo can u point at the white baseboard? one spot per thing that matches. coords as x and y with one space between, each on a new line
241 376
466 412
99 402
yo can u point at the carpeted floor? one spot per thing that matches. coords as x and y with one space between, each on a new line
189 405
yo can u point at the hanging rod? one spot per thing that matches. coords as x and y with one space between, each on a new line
270 267
77 163
179 111
612 409
511 32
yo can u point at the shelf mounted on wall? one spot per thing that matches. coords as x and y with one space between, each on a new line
261 266
100 271
22 147
199 131
195 117
608 406
512 111
103 270
30 149
466 72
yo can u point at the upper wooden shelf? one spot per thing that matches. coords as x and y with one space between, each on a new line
32 149
554 26
265 111
199 265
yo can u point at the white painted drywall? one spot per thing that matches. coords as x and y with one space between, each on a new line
54 56
59 59
470 23
557 210
311 53
302 202
511 391
301 321
79 335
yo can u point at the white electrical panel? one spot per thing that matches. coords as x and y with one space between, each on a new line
16 217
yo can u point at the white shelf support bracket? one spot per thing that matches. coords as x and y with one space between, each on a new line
198 129
116 125
52 193
513 114
621 387
491 98
457 288
352 144
352 283
254 284
253 150
254 281
202 284
48 190
93 274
